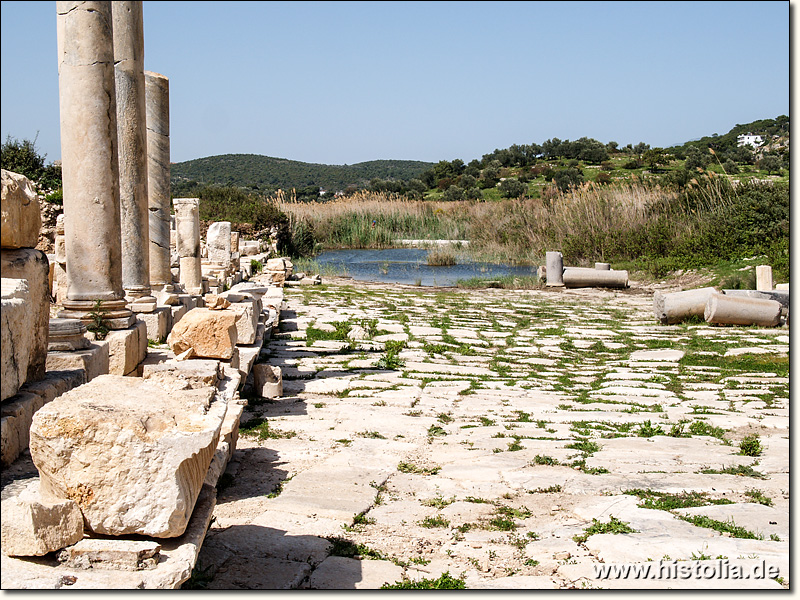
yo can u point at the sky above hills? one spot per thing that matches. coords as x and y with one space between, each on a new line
347 82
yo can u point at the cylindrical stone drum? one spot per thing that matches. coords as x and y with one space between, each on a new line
730 310
678 306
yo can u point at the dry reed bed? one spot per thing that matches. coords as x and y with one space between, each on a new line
516 230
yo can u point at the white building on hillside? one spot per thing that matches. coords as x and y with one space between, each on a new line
748 139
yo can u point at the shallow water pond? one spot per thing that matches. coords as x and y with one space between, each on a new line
409 266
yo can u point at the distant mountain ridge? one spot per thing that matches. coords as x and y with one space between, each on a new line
266 173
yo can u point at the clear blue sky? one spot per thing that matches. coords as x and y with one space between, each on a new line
346 82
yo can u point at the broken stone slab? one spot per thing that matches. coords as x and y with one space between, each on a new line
205 333
576 277
34 526
130 453
25 338
554 269
722 309
67 335
20 218
267 380
781 296
128 555
676 307
602 266
183 375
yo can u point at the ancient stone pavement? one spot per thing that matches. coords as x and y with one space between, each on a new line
515 439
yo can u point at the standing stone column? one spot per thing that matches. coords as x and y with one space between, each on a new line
764 278
555 269
89 167
187 234
132 144
157 99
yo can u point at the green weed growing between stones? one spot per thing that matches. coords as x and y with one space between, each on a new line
444 582
614 526
667 501
750 446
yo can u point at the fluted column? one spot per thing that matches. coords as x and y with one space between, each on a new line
90 174
132 150
157 98
187 233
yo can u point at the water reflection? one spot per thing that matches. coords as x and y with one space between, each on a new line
409 266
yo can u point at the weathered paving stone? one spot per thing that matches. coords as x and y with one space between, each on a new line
486 456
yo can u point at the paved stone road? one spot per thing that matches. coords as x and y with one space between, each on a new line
517 440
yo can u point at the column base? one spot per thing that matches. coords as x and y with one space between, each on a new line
114 313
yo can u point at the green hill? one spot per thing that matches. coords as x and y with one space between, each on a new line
266 174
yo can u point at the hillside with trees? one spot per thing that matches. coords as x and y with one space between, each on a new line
264 174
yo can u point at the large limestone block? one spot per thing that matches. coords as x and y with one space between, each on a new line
33 525
205 333
32 266
20 219
130 453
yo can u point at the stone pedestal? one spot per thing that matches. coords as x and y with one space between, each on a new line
157 100
89 166
187 242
